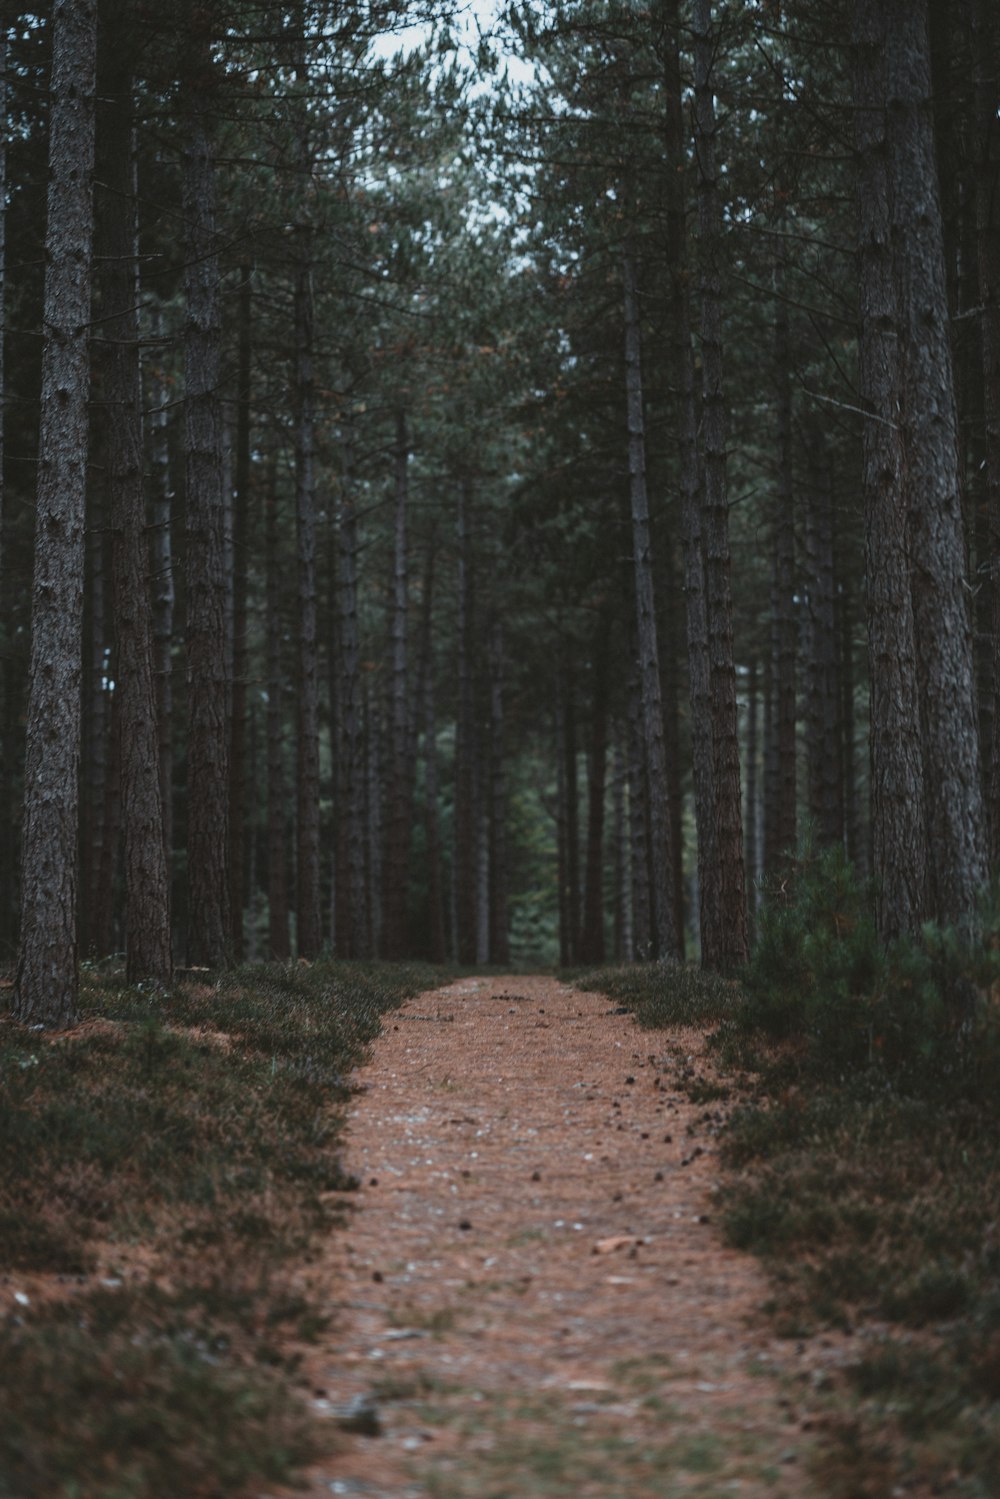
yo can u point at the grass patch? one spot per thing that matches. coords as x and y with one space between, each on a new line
864 1168
184 1146
662 994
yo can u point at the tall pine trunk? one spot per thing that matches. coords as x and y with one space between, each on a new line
352 886
986 39
780 818
46 985
147 901
592 929
240 803
279 943
823 695
207 584
927 803
499 870
464 867
163 595
666 940
397 857
308 923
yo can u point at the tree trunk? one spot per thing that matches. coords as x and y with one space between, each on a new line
279 943
95 916
163 599
207 590
592 930
147 896
665 939
397 858
499 873
622 911
781 830
751 839
823 697
928 834
985 39
353 891
570 803
436 945
240 888
46 985
638 812
374 831
464 869
308 924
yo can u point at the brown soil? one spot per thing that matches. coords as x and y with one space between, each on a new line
532 1292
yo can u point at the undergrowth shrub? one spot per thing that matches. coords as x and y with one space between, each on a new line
663 994
868 1171
819 976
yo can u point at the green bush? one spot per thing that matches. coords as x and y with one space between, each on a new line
819 975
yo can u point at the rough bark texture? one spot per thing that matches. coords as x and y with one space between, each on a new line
666 938
568 811
985 41
352 888
147 897
464 868
46 982
96 898
499 872
240 852
823 696
638 823
163 597
780 821
279 943
308 926
592 930
436 945
207 584
397 859
724 927
928 811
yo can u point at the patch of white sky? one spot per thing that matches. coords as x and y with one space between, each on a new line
469 23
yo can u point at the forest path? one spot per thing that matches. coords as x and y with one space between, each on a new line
532 1291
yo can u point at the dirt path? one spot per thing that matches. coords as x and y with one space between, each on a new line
531 1297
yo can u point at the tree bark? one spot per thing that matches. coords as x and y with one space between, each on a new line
207 585
464 870
666 941
499 873
46 984
985 41
929 849
781 821
240 887
351 811
436 944
823 696
147 896
163 596
279 943
397 858
638 813
308 924
592 930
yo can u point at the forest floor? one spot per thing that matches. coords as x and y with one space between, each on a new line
532 1296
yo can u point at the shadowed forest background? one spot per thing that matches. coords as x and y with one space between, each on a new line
510 475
